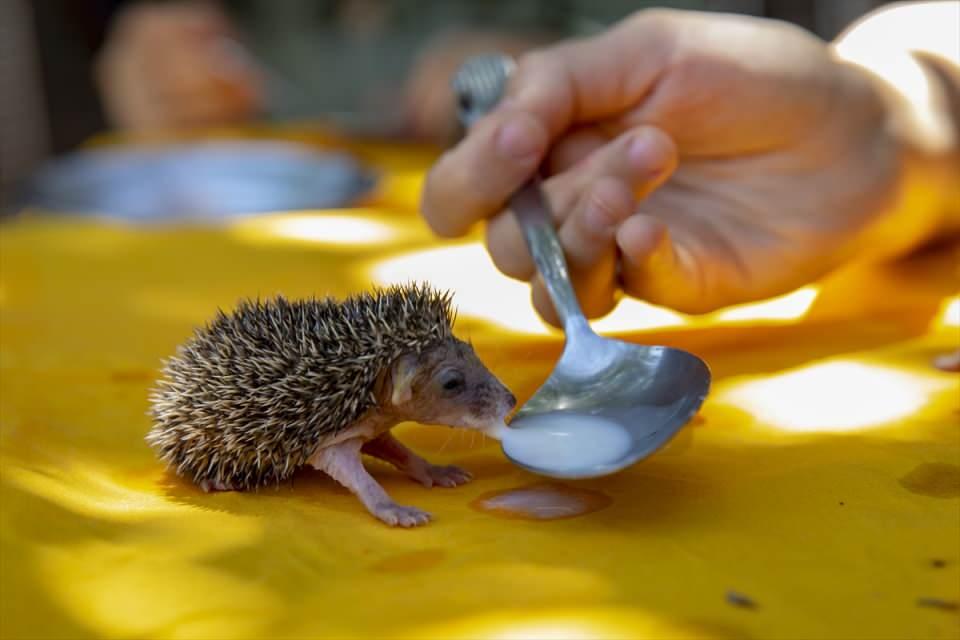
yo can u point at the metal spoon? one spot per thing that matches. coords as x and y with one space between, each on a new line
651 392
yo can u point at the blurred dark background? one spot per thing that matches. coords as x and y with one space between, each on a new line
346 59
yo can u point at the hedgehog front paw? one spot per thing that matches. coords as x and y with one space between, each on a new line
430 475
449 476
397 515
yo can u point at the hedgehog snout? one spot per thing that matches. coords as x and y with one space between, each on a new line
500 397
509 400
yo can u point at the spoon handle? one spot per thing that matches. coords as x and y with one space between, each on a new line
479 84
531 210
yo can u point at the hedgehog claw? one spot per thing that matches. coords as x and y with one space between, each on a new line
397 515
448 476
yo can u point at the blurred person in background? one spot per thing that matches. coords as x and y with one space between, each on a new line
142 67
367 67
379 65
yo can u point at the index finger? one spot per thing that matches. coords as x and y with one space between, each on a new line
472 181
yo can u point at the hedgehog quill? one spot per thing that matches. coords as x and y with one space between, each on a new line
280 384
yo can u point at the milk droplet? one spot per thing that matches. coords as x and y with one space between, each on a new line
495 430
564 441
541 502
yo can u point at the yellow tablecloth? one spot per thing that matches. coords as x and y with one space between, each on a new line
821 482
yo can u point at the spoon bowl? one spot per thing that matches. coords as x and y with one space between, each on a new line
651 392
608 403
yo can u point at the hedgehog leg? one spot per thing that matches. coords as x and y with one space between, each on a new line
342 462
389 449
214 485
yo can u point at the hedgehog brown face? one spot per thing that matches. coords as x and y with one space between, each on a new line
448 385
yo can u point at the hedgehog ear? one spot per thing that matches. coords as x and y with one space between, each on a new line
404 369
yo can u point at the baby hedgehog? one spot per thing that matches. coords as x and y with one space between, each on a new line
275 385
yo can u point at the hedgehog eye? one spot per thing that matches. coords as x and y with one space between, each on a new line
452 381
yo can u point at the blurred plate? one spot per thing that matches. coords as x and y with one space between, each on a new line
196 182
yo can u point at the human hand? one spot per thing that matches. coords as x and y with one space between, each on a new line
709 159
175 66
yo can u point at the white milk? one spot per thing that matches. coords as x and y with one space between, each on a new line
542 502
565 441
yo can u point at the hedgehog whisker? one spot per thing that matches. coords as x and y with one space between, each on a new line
447 441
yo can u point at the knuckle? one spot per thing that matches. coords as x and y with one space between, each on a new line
653 18
609 203
563 192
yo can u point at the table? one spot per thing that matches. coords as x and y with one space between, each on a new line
817 495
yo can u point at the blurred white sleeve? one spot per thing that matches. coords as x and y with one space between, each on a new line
886 42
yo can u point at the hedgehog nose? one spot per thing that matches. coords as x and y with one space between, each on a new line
511 400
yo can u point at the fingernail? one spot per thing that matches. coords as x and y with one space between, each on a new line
645 154
518 140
